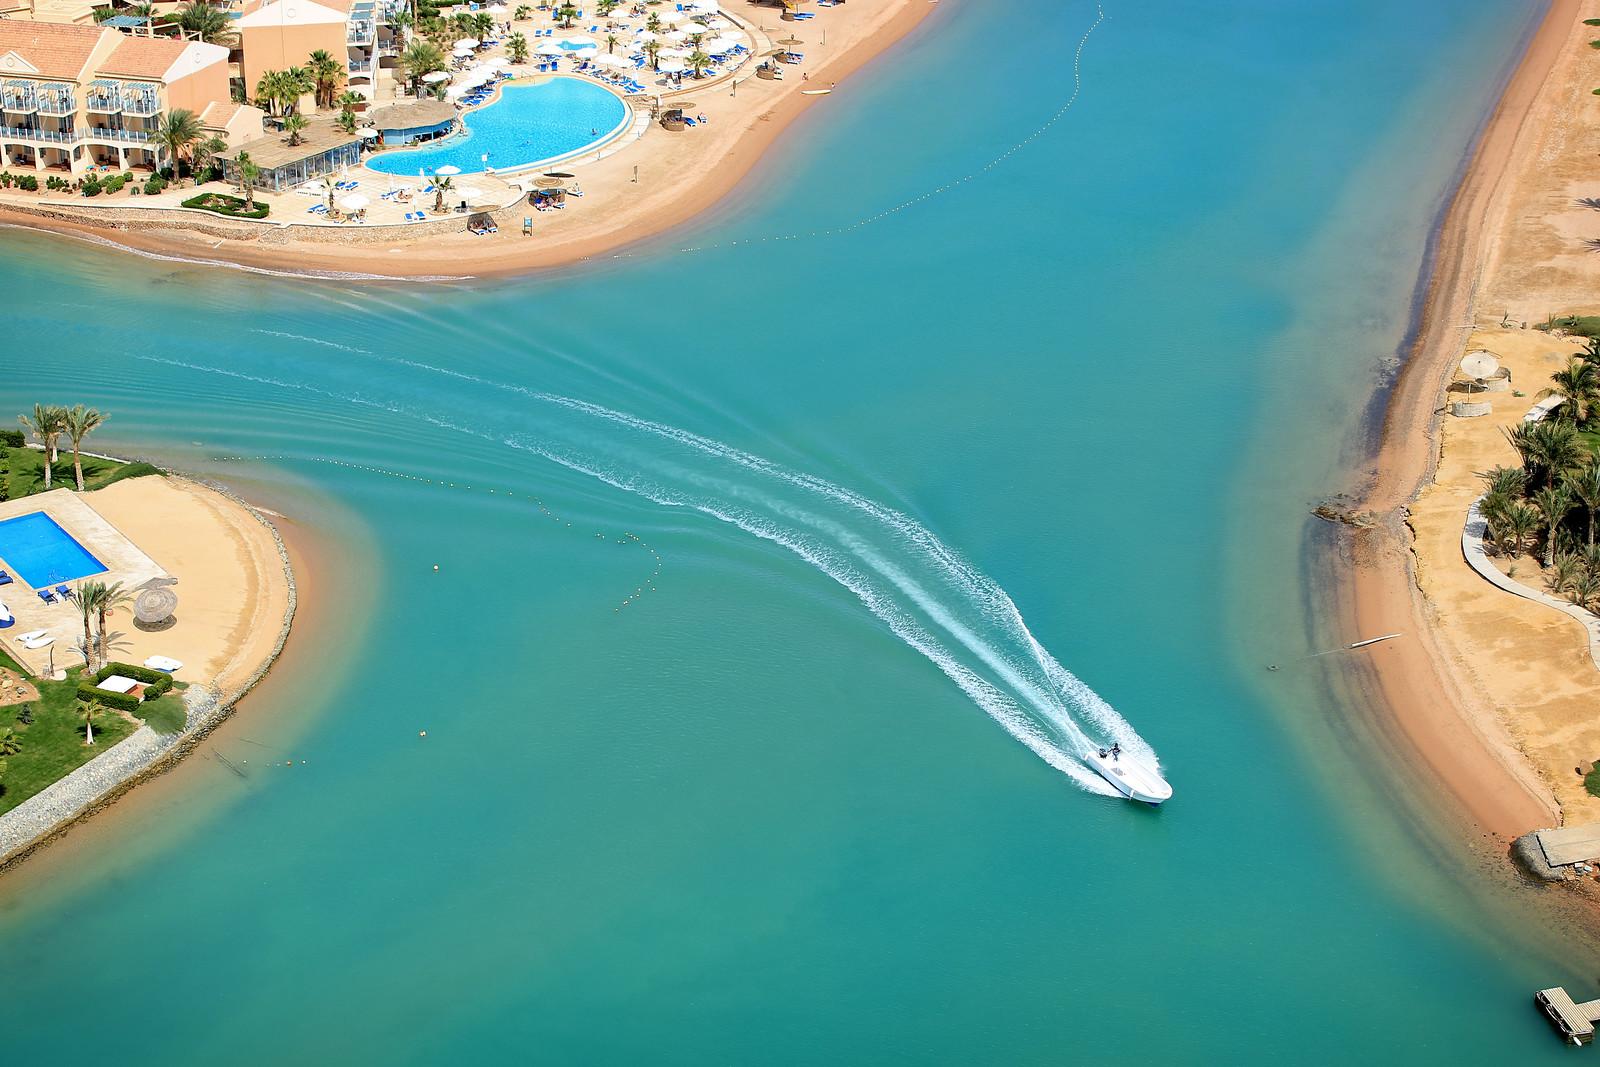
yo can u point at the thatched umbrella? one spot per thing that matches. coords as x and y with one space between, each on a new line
154 605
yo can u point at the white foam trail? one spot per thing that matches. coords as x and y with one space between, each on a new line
313 341
1040 688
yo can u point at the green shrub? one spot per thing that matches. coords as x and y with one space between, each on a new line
54 181
154 185
115 183
1591 782
6 179
158 689
11 438
148 675
28 183
25 715
119 701
231 206
91 186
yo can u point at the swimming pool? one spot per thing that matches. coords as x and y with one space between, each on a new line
526 124
41 553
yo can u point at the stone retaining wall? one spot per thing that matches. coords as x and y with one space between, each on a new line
142 754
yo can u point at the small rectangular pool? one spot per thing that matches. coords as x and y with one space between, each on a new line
38 551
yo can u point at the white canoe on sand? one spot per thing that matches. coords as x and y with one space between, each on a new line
1133 778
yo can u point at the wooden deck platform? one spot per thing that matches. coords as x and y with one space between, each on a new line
1574 1021
1570 844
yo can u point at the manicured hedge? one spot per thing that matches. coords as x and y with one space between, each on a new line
11 438
231 206
147 675
120 701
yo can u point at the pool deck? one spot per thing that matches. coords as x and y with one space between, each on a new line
124 562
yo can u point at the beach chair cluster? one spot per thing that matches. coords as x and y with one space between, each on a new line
6 579
416 216
483 229
345 187
59 595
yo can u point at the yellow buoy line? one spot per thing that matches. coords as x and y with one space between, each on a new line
627 538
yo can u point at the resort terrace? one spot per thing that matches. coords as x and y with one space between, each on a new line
324 148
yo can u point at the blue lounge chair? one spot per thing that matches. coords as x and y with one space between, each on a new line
63 592
47 596
6 579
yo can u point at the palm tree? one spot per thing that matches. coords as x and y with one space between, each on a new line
177 133
206 151
1510 482
1585 590
327 75
1578 385
1567 569
329 187
611 41
1584 486
248 173
201 21
45 426
294 125
606 7
482 25
565 14
523 13
1548 448
421 57
10 743
77 423
146 11
1519 521
517 48
88 709
109 598
653 50
88 593
1553 504
698 62
652 22
270 89
441 183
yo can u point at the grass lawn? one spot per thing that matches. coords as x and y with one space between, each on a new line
23 472
52 745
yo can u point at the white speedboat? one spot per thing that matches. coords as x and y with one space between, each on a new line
1133 778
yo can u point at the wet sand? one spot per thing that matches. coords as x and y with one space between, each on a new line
1447 723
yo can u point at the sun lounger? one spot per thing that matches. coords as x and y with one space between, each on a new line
39 642
31 635
47 596
6 579
63 592
164 663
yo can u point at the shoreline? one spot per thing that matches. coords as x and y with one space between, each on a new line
1439 718
672 206
206 712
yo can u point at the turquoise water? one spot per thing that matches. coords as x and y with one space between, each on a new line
42 553
526 124
775 579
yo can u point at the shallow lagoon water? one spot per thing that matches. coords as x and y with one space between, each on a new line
690 793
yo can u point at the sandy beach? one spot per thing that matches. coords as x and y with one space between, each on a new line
1449 721
679 176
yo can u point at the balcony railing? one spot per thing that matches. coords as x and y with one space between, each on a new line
57 101
140 101
19 99
106 133
361 66
360 33
29 133
108 101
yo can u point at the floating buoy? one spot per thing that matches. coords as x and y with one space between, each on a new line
436 567
422 733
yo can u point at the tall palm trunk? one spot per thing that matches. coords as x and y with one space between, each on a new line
88 639
102 611
77 466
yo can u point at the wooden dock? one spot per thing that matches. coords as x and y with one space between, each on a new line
1574 1021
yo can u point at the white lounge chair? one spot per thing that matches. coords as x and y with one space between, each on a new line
39 642
31 635
163 663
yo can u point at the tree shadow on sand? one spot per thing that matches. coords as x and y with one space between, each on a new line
1588 201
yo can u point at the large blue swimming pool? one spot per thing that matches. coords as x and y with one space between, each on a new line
38 551
526 124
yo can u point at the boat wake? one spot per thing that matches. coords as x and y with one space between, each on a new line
932 599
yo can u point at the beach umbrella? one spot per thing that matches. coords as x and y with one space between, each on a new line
673 53
456 92
434 77
558 174
469 192
547 183
675 18
549 48
610 61
645 36
581 41
367 133
673 66
718 46
704 7
467 42
497 61
677 35
353 202
791 41
448 170
497 9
